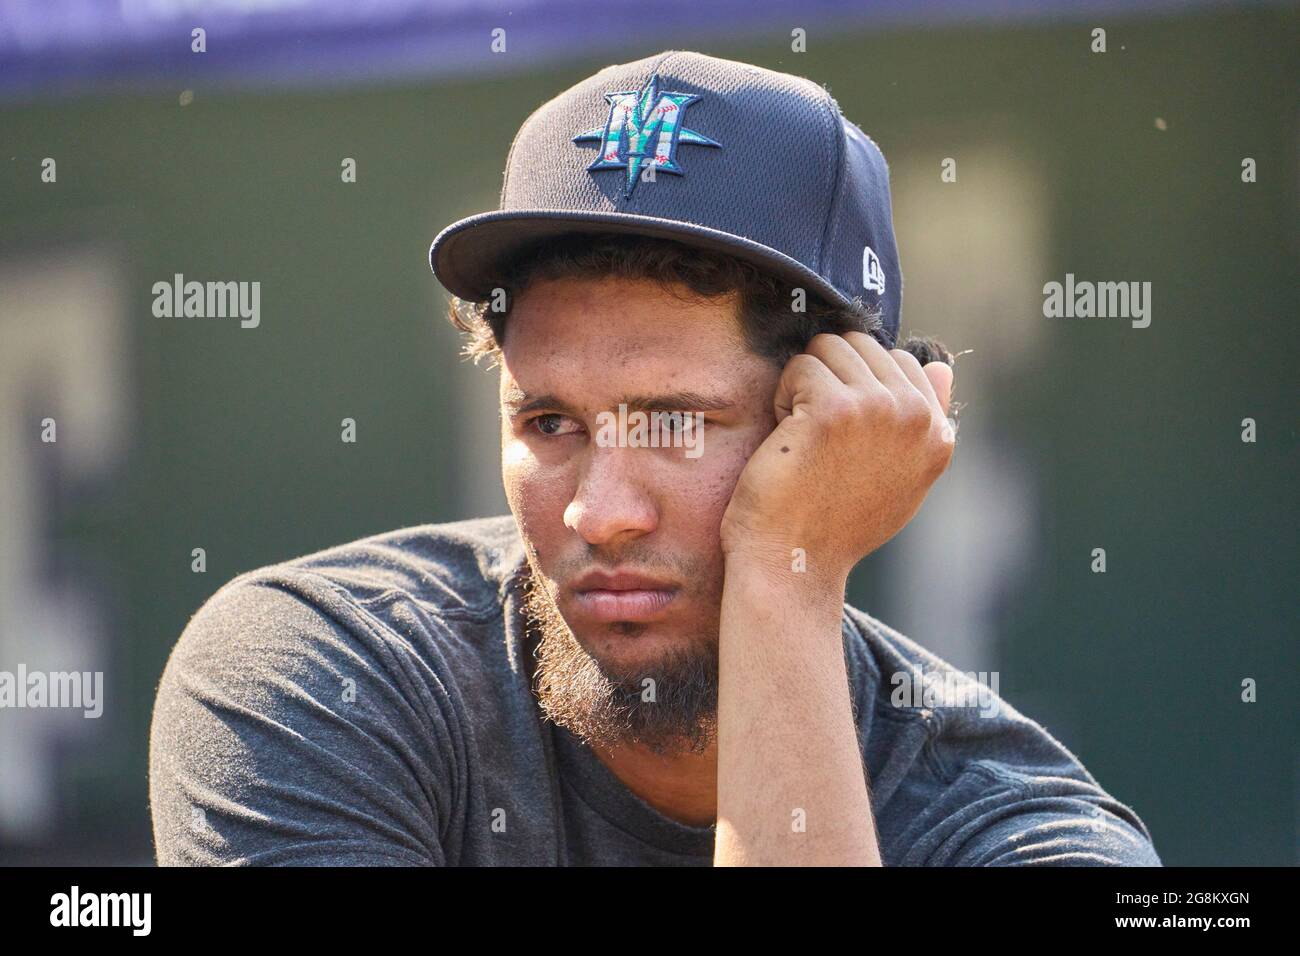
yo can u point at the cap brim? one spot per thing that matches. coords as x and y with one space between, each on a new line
468 256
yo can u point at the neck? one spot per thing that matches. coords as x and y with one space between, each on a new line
682 787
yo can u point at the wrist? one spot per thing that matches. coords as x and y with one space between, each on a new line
774 576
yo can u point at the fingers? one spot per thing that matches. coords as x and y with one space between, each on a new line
940 375
934 381
804 378
924 381
842 358
857 360
915 377
883 366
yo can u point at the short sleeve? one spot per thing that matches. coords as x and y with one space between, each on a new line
289 729
1044 822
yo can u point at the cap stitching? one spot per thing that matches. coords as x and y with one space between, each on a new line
663 59
505 180
836 207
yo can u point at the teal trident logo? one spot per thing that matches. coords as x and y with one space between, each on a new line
643 130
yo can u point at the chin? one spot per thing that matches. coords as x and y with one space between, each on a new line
624 643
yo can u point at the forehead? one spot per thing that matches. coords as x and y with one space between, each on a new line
593 337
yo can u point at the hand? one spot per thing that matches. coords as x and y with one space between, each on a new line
861 435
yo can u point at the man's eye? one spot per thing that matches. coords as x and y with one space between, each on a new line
673 421
552 424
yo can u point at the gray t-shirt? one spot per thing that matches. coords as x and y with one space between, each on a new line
371 705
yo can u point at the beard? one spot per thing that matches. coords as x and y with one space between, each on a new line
669 705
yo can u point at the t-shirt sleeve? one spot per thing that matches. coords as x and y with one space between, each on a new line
290 728
1003 820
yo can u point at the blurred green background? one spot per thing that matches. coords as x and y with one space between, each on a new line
1076 434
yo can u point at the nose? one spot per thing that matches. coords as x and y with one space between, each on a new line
611 503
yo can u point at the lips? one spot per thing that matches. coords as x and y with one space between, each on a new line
622 596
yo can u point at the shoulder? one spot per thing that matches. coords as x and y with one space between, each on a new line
405 591
459 568
448 572
335 687
968 725
970 780
412 608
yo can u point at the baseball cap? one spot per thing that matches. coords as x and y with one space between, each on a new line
716 154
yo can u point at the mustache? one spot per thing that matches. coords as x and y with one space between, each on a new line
688 571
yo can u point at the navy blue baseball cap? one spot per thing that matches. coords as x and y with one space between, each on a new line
713 153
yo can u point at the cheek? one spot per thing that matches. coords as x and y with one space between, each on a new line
705 494
537 496
516 468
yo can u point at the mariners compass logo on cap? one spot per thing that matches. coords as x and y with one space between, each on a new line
643 130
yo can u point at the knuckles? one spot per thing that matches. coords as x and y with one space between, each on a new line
878 419
915 416
839 410
941 449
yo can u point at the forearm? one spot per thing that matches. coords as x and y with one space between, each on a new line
791 785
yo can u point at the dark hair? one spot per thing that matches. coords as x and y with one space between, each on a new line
770 326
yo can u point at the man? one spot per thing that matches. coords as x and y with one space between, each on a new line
692 290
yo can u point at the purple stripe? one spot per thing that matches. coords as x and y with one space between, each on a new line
84 45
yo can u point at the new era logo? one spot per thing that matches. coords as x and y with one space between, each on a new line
873 277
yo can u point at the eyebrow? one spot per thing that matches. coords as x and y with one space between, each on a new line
518 402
